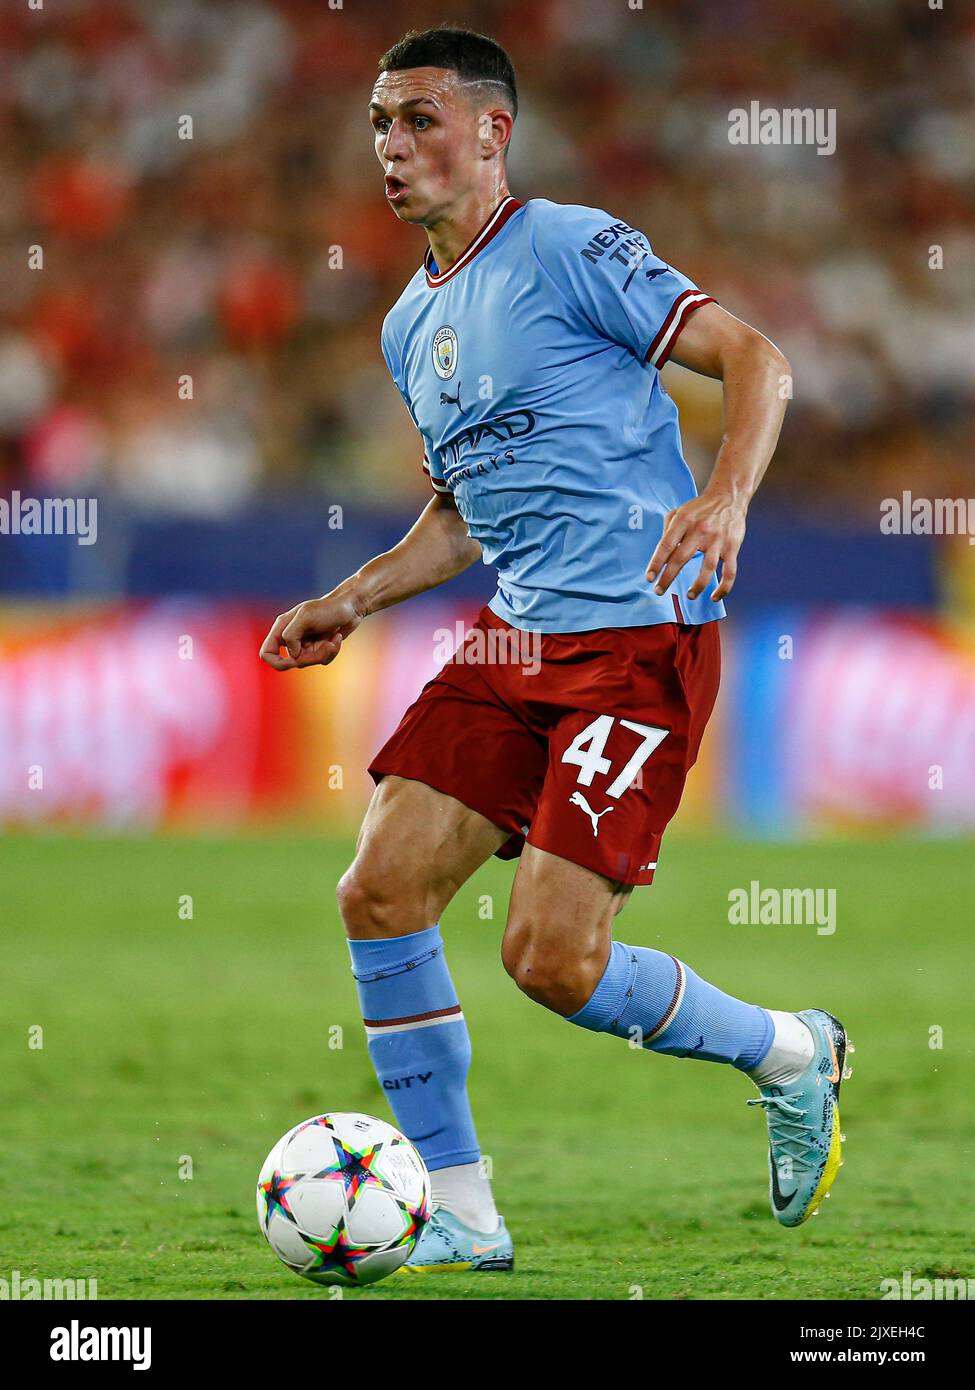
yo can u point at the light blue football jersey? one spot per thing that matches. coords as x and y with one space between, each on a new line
531 370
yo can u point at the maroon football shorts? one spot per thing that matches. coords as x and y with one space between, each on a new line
577 742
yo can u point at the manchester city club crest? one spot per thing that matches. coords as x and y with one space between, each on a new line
445 352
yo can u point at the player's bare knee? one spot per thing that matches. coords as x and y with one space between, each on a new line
373 905
355 901
377 898
539 978
544 973
511 951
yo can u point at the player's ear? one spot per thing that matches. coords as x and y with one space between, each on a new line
494 130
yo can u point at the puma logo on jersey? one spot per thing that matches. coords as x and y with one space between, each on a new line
577 799
447 399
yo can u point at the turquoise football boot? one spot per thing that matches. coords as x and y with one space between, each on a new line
447 1245
804 1124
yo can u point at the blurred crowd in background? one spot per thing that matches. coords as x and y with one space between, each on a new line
216 256
258 258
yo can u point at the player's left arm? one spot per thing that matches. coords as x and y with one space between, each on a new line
753 372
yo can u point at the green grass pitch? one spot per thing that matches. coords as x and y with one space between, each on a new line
618 1171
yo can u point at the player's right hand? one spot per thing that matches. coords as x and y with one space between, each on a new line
311 633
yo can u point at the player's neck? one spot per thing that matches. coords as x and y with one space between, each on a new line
450 236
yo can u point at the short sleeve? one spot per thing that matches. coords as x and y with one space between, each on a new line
608 271
434 474
391 358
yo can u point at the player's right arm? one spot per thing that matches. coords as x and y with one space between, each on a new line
436 548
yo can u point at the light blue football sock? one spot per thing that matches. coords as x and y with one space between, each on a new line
418 1042
655 1000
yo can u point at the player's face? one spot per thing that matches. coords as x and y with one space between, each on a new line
426 130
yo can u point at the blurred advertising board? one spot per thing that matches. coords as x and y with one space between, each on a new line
160 714
849 718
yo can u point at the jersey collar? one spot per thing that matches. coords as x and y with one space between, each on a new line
505 209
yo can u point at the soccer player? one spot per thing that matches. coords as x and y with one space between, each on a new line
528 349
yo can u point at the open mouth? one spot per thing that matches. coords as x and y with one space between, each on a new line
396 189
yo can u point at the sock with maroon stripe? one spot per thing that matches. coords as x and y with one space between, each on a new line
418 1042
661 1004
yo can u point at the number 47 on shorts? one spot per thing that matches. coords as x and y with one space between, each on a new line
587 749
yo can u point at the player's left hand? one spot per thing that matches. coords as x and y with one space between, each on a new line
714 524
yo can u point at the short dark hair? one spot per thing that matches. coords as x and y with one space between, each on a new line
474 57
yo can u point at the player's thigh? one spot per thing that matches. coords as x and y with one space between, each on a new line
559 928
415 849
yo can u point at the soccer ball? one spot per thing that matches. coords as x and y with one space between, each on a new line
342 1199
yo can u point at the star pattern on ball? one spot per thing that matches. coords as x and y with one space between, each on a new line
335 1254
415 1219
354 1169
276 1191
